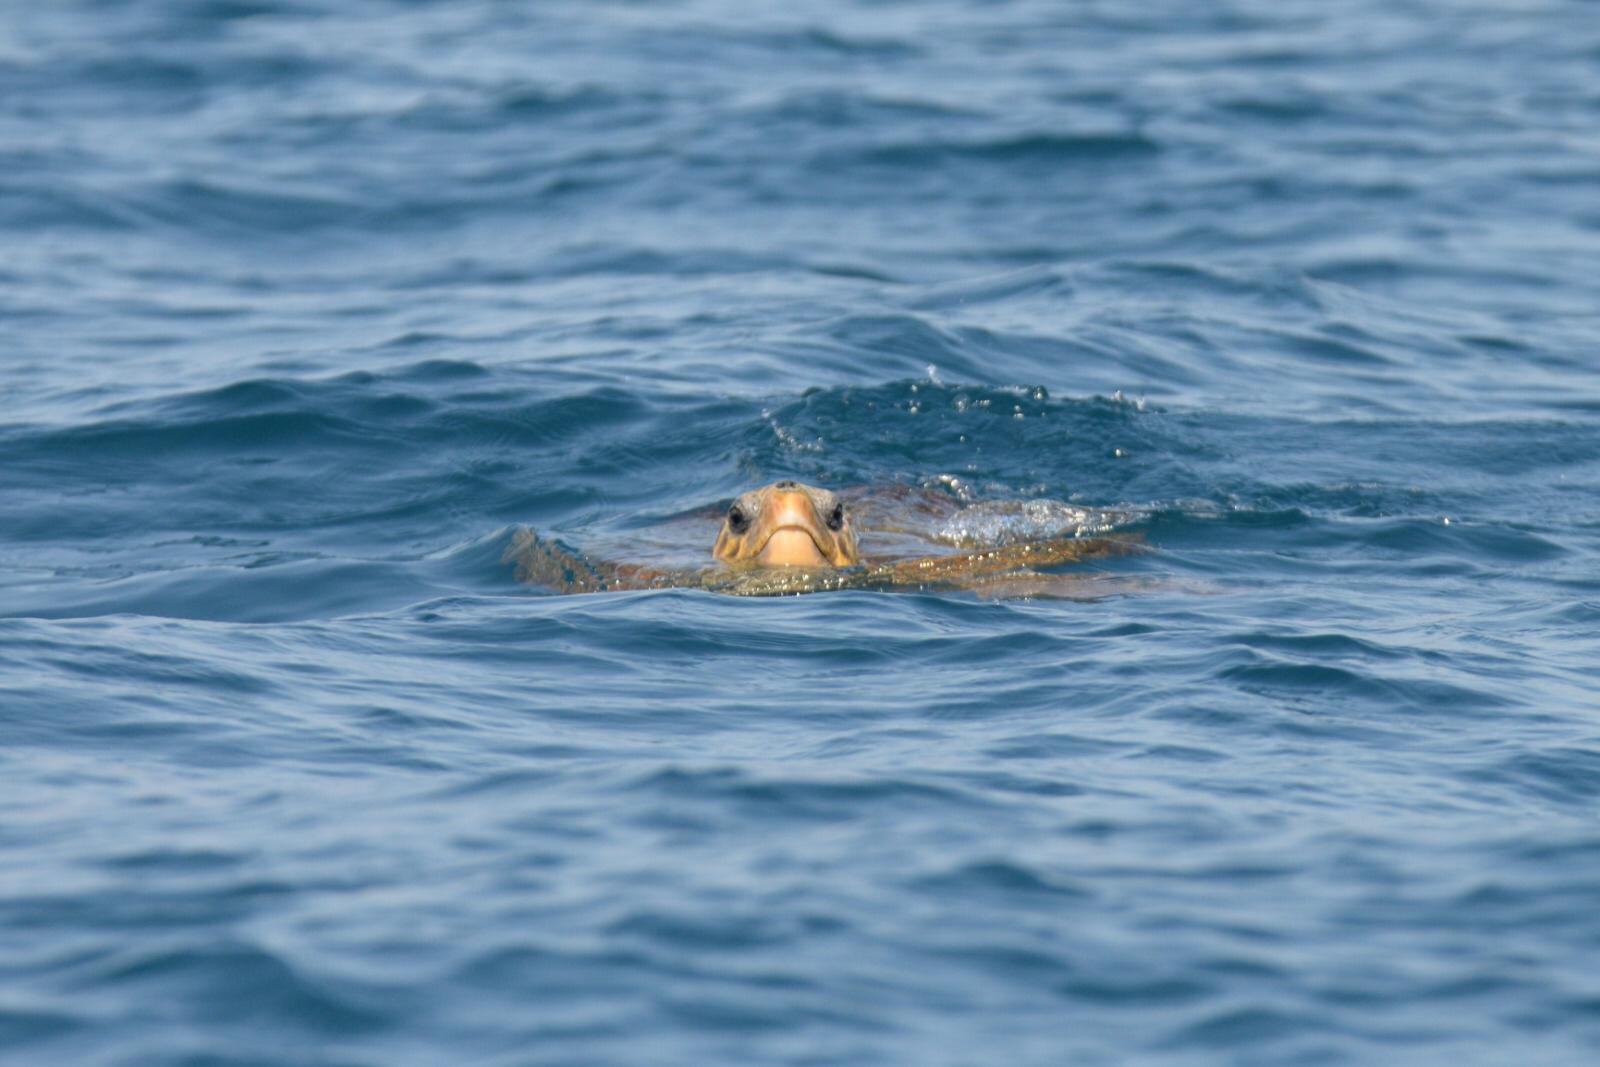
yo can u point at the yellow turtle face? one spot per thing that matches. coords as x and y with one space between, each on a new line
787 524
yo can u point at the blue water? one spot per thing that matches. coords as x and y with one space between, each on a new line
305 304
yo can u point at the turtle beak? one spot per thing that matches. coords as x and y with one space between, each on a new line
796 536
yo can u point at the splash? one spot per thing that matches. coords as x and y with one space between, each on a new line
1007 522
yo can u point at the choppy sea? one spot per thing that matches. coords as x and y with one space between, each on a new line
305 305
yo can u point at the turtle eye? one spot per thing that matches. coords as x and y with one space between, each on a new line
738 521
836 517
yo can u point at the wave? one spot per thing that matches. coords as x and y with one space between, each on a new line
1030 149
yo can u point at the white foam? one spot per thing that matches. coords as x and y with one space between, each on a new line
1004 522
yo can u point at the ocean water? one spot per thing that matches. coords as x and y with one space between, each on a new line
306 305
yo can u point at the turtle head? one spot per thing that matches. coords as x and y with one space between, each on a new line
787 524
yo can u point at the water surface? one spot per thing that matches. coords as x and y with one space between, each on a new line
304 305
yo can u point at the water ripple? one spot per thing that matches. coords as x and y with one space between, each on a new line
308 306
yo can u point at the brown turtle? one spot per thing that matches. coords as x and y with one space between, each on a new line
789 538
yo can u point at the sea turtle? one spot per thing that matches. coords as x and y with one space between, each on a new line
790 538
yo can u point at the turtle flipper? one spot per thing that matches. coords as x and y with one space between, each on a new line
544 562
1034 585
995 567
